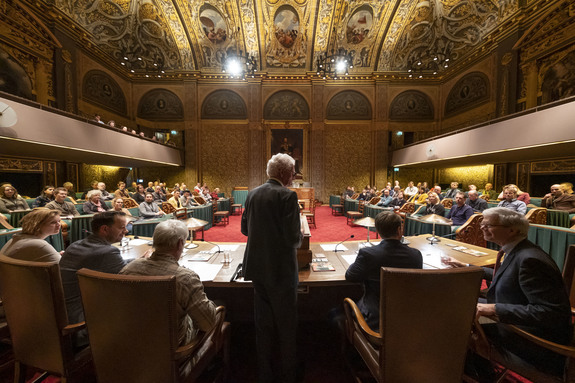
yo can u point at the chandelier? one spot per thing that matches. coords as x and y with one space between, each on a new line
429 62
151 66
238 65
335 65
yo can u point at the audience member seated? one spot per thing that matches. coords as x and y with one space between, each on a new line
512 202
410 190
215 194
470 188
488 191
452 192
66 209
140 194
206 193
198 188
386 199
476 203
149 208
112 124
29 245
195 311
150 188
433 206
424 184
390 252
187 199
398 201
93 186
437 190
70 187
159 195
527 290
94 204
420 197
122 191
118 205
567 187
521 195
363 196
175 199
105 195
559 200
460 212
45 197
95 253
10 200
98 118
133 187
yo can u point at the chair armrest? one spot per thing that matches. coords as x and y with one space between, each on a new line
354 315
568 351
72 328
213 335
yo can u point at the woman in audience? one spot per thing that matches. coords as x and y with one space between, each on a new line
29 245
420 197
93 204
45 197
70 187
175 199
118 205
398 200
140 194
121 192
10 200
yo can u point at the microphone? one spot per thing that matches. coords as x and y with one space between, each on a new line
237 273
211 243
335 248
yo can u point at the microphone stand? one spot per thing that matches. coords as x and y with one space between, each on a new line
335 248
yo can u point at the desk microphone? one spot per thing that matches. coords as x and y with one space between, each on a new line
237 273
211 243
335 248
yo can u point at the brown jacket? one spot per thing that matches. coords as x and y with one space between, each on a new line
564 202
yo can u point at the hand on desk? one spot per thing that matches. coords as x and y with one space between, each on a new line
485 310
453 262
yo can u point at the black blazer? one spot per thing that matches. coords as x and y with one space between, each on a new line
529 292
366 269
271 221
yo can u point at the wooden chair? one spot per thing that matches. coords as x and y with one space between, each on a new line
407 208
374 200
130 203
337 209
220 216
235 207
181 214
537 215
168 208
447 203
133 325
35 309
470 232
310 214
354 196
4 222
485 197
432 324
200 200
353 215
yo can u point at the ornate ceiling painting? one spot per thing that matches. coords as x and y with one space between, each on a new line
191 35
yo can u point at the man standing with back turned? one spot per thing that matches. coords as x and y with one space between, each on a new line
271 222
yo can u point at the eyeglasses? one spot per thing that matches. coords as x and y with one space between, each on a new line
488 226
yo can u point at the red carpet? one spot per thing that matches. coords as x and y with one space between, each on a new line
329 229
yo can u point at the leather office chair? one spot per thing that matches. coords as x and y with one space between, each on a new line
423 331
133 326
222 216
470 232
36 314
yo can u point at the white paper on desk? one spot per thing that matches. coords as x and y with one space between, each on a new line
138 242
349 258
206 271
226 248
331 247
433 261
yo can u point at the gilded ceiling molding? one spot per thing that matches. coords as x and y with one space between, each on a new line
161 105
100 89
470 91
286 30
250 30
286 105
411 105
224 105
348 105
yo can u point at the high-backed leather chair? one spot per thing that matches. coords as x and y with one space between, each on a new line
133 326
36 314
424 326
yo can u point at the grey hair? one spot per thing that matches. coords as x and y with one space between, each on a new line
279 164
92 193
168 233
509 218
472 192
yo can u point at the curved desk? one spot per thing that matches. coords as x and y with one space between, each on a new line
413 226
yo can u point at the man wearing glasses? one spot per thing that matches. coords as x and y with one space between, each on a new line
527 290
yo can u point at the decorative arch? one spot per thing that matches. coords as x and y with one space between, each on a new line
411 105
224 105
161 105
348 105
13 78
286 105
100 89
470 91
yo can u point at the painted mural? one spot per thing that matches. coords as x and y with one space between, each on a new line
359 25
214 25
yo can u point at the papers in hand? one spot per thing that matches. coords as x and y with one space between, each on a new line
331 246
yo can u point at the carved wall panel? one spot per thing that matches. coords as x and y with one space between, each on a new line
470 91
72 174
558 76
286 105
553 166
500 176
348 105
20 165
523 176
100 89
161 105
110 175
224 105
50 173
317 143
411 105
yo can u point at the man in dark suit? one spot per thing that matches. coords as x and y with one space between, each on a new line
527 290
271 221
390 252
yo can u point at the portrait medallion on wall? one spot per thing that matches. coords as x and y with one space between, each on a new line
213 24
286 105
411 105
359 25
100 89
224 105
289 141
470 91
161 105
348 105
559 79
